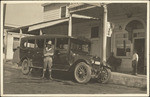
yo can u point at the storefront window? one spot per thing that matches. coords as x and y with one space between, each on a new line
123 45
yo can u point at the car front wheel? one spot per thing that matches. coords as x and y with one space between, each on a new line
82 72
25 67
105 75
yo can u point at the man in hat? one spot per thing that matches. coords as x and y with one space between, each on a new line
48 54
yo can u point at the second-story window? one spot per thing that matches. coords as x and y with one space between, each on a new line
63 11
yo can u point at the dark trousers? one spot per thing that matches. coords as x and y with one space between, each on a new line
134 65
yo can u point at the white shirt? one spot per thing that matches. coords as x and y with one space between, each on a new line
135 57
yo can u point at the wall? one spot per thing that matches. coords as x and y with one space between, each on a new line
52 11
120 19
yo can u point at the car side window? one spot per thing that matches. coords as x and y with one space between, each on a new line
62 45
31 43
40 43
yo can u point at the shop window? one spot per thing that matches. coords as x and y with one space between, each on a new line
94 32
63 11
123 45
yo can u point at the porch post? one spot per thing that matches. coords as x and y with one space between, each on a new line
20 35
41 33
6 39
104 34
70 25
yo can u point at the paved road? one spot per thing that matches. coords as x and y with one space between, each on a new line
17 83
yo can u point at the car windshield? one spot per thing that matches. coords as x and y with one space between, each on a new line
79 45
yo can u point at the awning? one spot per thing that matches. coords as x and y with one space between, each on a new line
47 24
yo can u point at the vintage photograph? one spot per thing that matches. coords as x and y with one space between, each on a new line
52 48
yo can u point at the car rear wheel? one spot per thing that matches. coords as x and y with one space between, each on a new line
82 72
25 67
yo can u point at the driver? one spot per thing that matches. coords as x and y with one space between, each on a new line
48 54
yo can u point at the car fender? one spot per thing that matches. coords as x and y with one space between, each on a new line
78 61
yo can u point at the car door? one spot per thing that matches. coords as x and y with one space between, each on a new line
61 55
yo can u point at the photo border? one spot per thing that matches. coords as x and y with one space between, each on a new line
76 1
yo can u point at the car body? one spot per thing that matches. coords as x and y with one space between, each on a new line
68 53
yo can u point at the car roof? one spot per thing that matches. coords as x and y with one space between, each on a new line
46 36
49 36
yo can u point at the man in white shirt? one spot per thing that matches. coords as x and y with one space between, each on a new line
135 59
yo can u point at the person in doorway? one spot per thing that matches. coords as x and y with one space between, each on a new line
135 59
48 54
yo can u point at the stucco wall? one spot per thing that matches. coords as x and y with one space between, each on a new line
120 21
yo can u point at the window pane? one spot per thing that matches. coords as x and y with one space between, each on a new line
123 48
63 11
94 32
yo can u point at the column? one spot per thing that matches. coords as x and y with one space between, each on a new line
20 35
6 37
70 25
104 34
41 33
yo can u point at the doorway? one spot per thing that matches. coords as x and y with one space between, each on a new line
139 45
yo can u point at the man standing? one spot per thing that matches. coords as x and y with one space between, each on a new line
48 54
135 59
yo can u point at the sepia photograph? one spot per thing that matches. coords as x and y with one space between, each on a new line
75 48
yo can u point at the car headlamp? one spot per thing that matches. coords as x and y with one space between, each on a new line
92 61
97 62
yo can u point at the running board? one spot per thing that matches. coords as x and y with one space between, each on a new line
52 68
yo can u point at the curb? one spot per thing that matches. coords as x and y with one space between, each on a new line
128 80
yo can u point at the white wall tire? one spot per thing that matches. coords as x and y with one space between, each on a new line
25 67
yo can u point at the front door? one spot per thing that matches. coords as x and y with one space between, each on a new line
139 45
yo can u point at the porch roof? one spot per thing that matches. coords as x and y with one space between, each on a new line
45 24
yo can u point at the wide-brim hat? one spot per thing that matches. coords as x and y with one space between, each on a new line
49 42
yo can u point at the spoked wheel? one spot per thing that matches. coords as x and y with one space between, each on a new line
104 76
82 73
25 67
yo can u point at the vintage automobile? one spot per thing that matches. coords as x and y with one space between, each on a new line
70 54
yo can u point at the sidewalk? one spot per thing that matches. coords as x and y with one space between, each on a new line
138 81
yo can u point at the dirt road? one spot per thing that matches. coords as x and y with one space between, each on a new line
17 83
